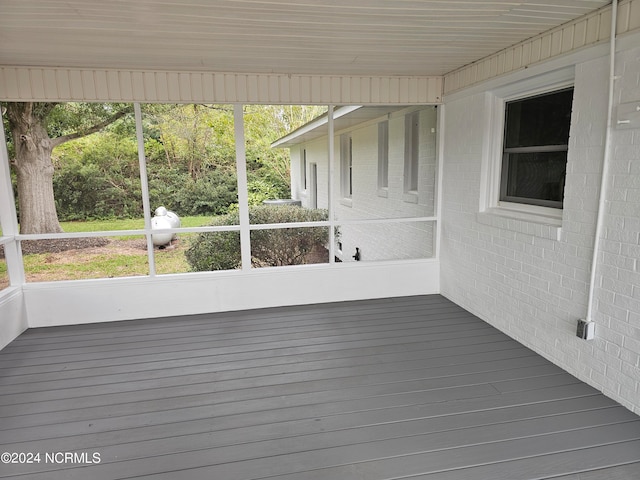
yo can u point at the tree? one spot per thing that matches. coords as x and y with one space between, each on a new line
268 169
36 129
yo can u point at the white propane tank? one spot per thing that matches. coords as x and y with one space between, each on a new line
160 212
164 219
160 223
173 218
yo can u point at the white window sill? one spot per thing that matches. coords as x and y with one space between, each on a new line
383 192
347 202
410 197
538 225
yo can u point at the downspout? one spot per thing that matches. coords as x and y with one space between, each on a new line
605 164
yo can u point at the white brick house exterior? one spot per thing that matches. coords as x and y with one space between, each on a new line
525 275
377 241
531 279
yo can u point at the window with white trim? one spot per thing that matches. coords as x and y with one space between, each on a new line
534 151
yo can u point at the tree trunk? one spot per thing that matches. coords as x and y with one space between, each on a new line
34 168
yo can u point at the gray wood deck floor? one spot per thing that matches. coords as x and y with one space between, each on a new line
395 388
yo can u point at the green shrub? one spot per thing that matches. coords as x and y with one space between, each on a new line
273 247
210 194
216 250
86 192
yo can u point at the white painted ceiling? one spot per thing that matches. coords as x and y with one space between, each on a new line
337 37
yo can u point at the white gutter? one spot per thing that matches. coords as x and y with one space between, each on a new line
605 164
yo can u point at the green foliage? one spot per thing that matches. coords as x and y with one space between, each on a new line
216 250
286 246
70 117
209 194
275 247
190 157
264 124
261 189
97 177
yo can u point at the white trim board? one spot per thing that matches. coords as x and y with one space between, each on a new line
568 39
558 64
12 315
100 85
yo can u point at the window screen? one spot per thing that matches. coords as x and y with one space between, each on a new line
536 141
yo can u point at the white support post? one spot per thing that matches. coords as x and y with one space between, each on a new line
9 219
331 161
146 204
439 178
243 195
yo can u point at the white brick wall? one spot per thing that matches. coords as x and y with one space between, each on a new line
522 278
316 153
405 240
366 203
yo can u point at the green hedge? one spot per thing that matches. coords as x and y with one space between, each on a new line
273 247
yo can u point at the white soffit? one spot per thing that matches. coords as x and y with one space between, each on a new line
346 37
559 42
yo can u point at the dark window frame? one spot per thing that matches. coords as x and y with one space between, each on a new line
303 167
411 152
383 154
510 158
346 165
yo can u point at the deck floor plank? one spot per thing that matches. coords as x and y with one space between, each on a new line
404 363
375 389
390 422
266 325
247 334
447 403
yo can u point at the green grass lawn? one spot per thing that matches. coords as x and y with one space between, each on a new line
127 224
110 264
4 276
125 256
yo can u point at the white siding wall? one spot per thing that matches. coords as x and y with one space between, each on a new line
535 288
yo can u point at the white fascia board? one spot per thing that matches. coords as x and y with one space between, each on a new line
290 139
